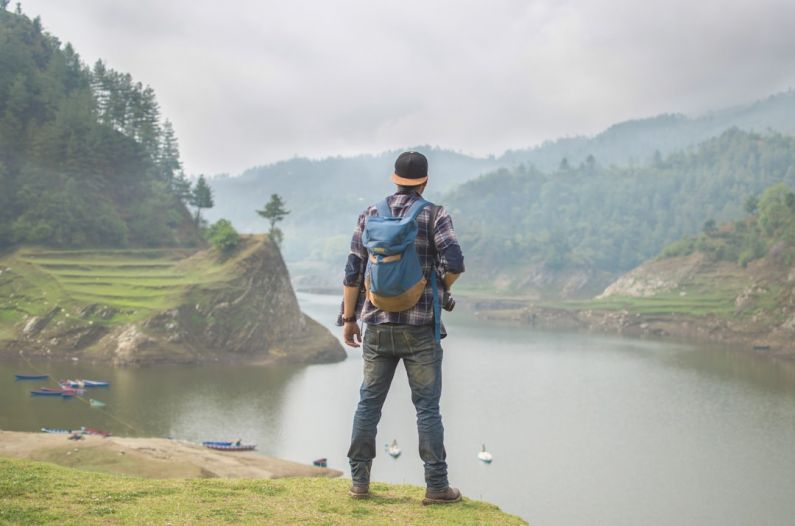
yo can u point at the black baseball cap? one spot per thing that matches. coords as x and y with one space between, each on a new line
411 169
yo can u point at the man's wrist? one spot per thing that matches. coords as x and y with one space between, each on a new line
349 319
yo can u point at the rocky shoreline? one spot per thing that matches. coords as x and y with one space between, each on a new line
752 336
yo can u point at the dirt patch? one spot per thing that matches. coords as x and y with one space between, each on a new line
150 457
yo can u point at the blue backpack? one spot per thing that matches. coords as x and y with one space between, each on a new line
394 280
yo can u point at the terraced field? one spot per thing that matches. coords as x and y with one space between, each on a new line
720 302
133 283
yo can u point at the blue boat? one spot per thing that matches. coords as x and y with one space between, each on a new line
83 384
48 391
229 446
32 376
39 392
56 430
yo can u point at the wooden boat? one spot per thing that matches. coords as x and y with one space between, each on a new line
229 446
94 431
320 462
49 391
32 376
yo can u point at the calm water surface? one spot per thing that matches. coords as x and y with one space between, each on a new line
584 429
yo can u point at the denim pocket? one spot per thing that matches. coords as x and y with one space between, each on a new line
419 338
371 337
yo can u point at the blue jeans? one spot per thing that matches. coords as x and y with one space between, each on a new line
384 346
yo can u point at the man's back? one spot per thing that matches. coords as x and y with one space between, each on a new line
437 248
406 335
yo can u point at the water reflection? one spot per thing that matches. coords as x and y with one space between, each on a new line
191 403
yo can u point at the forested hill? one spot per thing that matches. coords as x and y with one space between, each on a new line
85 158
639 141
611 219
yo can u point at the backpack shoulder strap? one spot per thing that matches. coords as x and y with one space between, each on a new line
383 209
416 207
437 301
432 225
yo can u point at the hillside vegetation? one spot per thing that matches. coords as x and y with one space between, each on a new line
85 157
733 283
513 222
39 493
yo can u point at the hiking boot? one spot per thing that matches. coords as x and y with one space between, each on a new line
359 491
445 496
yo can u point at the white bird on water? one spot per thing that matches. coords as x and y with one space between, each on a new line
484 455
393 449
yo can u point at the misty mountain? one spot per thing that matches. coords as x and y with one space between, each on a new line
326 195
635 142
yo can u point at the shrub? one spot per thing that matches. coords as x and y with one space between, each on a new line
222 235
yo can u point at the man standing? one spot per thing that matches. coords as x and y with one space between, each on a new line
411 335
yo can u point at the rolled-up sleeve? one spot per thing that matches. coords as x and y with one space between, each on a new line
357 258
451 259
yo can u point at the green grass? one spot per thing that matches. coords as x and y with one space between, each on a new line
136 282
40 493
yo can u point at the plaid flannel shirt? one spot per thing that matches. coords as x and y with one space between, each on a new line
441 256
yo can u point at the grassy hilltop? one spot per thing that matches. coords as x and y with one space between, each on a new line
138 306
40 493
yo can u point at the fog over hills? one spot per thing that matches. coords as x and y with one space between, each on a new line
326 195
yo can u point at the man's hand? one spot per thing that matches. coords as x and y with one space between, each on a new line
351 334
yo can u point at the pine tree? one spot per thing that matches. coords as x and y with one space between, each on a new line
274 212
169 161
202 197
182 187
149 124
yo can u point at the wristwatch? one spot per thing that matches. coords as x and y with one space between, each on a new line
349 320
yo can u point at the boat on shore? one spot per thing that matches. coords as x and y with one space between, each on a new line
56 430
82 430
320 462
95 431
32 376
229 446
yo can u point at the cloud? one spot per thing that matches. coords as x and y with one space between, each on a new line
251 82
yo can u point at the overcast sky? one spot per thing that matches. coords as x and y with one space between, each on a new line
251 82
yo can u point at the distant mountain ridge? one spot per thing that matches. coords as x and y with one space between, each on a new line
326 195
635 141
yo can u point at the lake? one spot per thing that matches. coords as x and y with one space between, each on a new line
584 429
